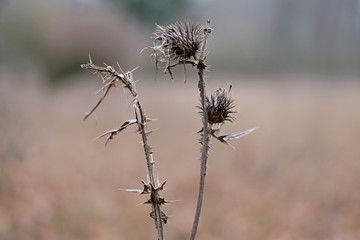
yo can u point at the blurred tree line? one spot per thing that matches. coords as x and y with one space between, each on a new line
250 37
154 11
320 36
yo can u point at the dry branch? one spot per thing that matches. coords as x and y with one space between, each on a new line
110 77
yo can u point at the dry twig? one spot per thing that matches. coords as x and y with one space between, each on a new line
110 79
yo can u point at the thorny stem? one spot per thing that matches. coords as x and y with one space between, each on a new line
151 169
128 82
205 138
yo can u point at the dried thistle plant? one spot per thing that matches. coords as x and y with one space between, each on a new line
183 44
172 35
167 40
175 44
111 78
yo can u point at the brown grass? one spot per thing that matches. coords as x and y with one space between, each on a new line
295 178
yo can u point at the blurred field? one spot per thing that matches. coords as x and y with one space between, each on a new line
295 178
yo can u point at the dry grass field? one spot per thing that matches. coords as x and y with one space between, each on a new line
297 177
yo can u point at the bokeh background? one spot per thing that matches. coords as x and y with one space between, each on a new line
294 67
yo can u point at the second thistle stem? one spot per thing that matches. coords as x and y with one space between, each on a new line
205 139
204 148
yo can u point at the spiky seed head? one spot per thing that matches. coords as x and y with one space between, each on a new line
219 106
179 41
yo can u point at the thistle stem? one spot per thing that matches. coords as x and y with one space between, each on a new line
205 140
204 148
150 167
110 73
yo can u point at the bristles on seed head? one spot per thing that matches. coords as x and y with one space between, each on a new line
219 107
179 41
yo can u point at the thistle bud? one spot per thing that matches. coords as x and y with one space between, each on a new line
219 106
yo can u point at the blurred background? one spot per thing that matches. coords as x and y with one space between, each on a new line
294 67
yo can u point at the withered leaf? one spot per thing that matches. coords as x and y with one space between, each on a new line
132 190
98 103
113 132
226 137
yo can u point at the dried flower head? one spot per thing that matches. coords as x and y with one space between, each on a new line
219 106
178 42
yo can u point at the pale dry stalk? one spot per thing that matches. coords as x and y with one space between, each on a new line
110 79
186 44
182 44
205 138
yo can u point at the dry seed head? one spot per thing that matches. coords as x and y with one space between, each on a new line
178 42
219 106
